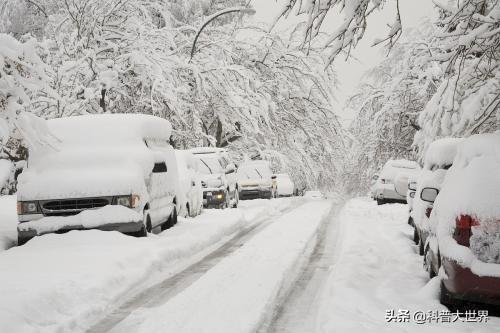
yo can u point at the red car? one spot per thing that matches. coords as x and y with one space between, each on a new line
464 244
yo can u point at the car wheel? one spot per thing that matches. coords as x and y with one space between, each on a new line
172 220
236 199
420 246
380 202
188 211
149 226
23 240
415 236
428 263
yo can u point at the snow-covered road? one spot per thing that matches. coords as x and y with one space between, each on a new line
285 265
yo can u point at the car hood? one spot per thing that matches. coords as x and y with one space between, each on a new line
254 182
213 180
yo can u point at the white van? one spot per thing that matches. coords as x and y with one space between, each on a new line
107 172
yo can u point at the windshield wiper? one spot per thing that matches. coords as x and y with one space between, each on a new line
258 173
207 166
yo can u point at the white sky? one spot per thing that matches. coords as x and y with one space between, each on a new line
350 72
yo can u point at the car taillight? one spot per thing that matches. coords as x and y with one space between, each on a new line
463 229
428 212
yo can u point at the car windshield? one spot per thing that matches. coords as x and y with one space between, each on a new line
249 173
209 166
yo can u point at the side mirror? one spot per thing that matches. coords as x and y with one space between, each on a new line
230 169
412 186
429 194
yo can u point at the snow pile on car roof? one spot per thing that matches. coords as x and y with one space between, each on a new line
101 128
393 167
472 187
95 155
441 152
207 150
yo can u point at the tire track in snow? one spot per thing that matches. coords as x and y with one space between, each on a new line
168 288
297 311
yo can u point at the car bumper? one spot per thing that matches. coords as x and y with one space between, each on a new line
389 195
126 227
462 284
248 194
214 198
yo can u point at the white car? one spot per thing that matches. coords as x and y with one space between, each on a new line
106 172
256 180
188 186
284 185
386 188
218 177
314 195
438 159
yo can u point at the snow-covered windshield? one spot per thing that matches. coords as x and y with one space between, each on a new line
254 171
249 173
209 165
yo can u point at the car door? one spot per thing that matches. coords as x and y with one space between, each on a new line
161 186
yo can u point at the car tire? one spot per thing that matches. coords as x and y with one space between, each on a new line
171 221
236 199
380 202
415 236
23 240
188 211
428 263
420 246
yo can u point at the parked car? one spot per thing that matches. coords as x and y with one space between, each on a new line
107 172
284 185
386 190
218 177
410 195
438 159
465 225
314 195
256 180
189 192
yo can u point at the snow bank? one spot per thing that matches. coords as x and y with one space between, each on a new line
87 219
472 187
240 292
8 221
63 283
377 269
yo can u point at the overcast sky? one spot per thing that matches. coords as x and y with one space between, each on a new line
350 72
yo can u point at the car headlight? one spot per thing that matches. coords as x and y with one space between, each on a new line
27 207
130 201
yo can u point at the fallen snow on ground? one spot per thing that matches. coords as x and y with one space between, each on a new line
8 221
61 282
239 293
376 269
